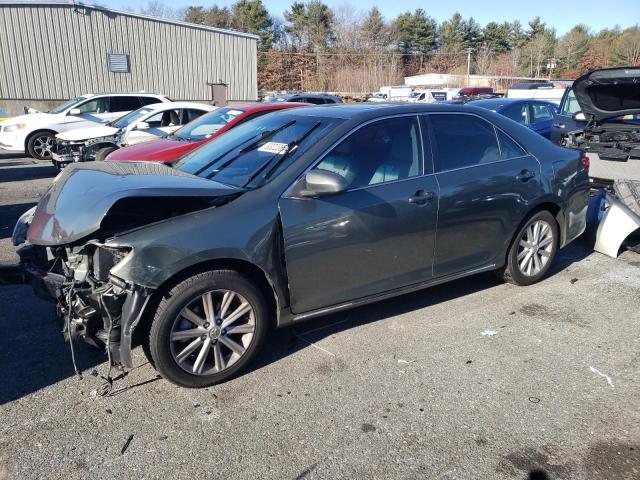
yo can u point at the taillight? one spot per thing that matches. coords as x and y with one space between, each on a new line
585 161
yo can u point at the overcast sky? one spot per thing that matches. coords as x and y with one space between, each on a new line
561 14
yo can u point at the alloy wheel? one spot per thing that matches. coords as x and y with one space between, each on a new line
212 332
43 146
535 248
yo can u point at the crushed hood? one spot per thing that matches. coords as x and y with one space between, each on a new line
83 194
608 93
80 134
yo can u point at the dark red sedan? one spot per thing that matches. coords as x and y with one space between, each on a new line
201 130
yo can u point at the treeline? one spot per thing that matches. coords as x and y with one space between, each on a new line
314 47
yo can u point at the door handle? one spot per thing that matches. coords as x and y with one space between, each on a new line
421 197
558 125
525 175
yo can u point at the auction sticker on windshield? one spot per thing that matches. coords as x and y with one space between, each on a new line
274 147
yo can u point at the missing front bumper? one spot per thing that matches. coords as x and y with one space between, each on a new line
104 316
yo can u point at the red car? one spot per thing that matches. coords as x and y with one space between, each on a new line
201 130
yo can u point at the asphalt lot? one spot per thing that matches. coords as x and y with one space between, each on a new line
472 379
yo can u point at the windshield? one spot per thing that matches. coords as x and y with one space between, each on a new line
131 117
206 125
69 104
257 151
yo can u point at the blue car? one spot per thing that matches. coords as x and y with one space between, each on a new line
535 114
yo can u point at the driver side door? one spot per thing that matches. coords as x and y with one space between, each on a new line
379 234
160 124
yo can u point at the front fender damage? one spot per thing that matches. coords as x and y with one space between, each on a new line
91 303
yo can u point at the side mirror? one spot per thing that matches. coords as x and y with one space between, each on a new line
143 126
323 182
75 111
579 117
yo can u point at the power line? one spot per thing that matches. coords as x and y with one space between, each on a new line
363 54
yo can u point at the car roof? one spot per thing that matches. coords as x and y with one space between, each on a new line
171 105
306 95
121 94
363 111
503 102
262 107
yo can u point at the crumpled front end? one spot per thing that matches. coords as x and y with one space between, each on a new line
92 304
70 151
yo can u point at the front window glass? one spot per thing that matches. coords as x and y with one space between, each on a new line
168 118
383 151
206 125
67 105
97 105
541 113
253 153
571 105
131 117
463 141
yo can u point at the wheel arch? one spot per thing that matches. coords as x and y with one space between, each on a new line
546 205
250 270
38 130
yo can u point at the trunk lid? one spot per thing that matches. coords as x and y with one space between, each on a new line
608 93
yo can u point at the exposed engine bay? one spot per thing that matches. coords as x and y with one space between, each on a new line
90 303
610 142
80 261
69 151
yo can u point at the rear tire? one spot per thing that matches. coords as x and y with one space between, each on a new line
41 144
532 250
195 341
101 154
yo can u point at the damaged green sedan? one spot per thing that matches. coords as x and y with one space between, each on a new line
291 216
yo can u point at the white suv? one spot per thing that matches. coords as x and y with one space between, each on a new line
35 133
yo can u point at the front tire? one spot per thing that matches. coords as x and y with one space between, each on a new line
208 328
101 154
41 144
532 250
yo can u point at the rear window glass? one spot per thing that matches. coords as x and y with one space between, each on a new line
509 148
463 141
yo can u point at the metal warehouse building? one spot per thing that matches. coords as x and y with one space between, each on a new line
56 50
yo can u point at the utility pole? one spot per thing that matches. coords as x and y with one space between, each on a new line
468 64
551 64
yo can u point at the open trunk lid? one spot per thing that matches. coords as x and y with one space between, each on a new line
608 93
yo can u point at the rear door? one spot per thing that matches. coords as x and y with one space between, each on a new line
563 121
518 112
122 104
378 235
487 182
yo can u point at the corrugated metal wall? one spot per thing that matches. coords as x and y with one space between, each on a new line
53 52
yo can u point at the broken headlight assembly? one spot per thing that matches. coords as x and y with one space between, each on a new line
105 258
19 235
